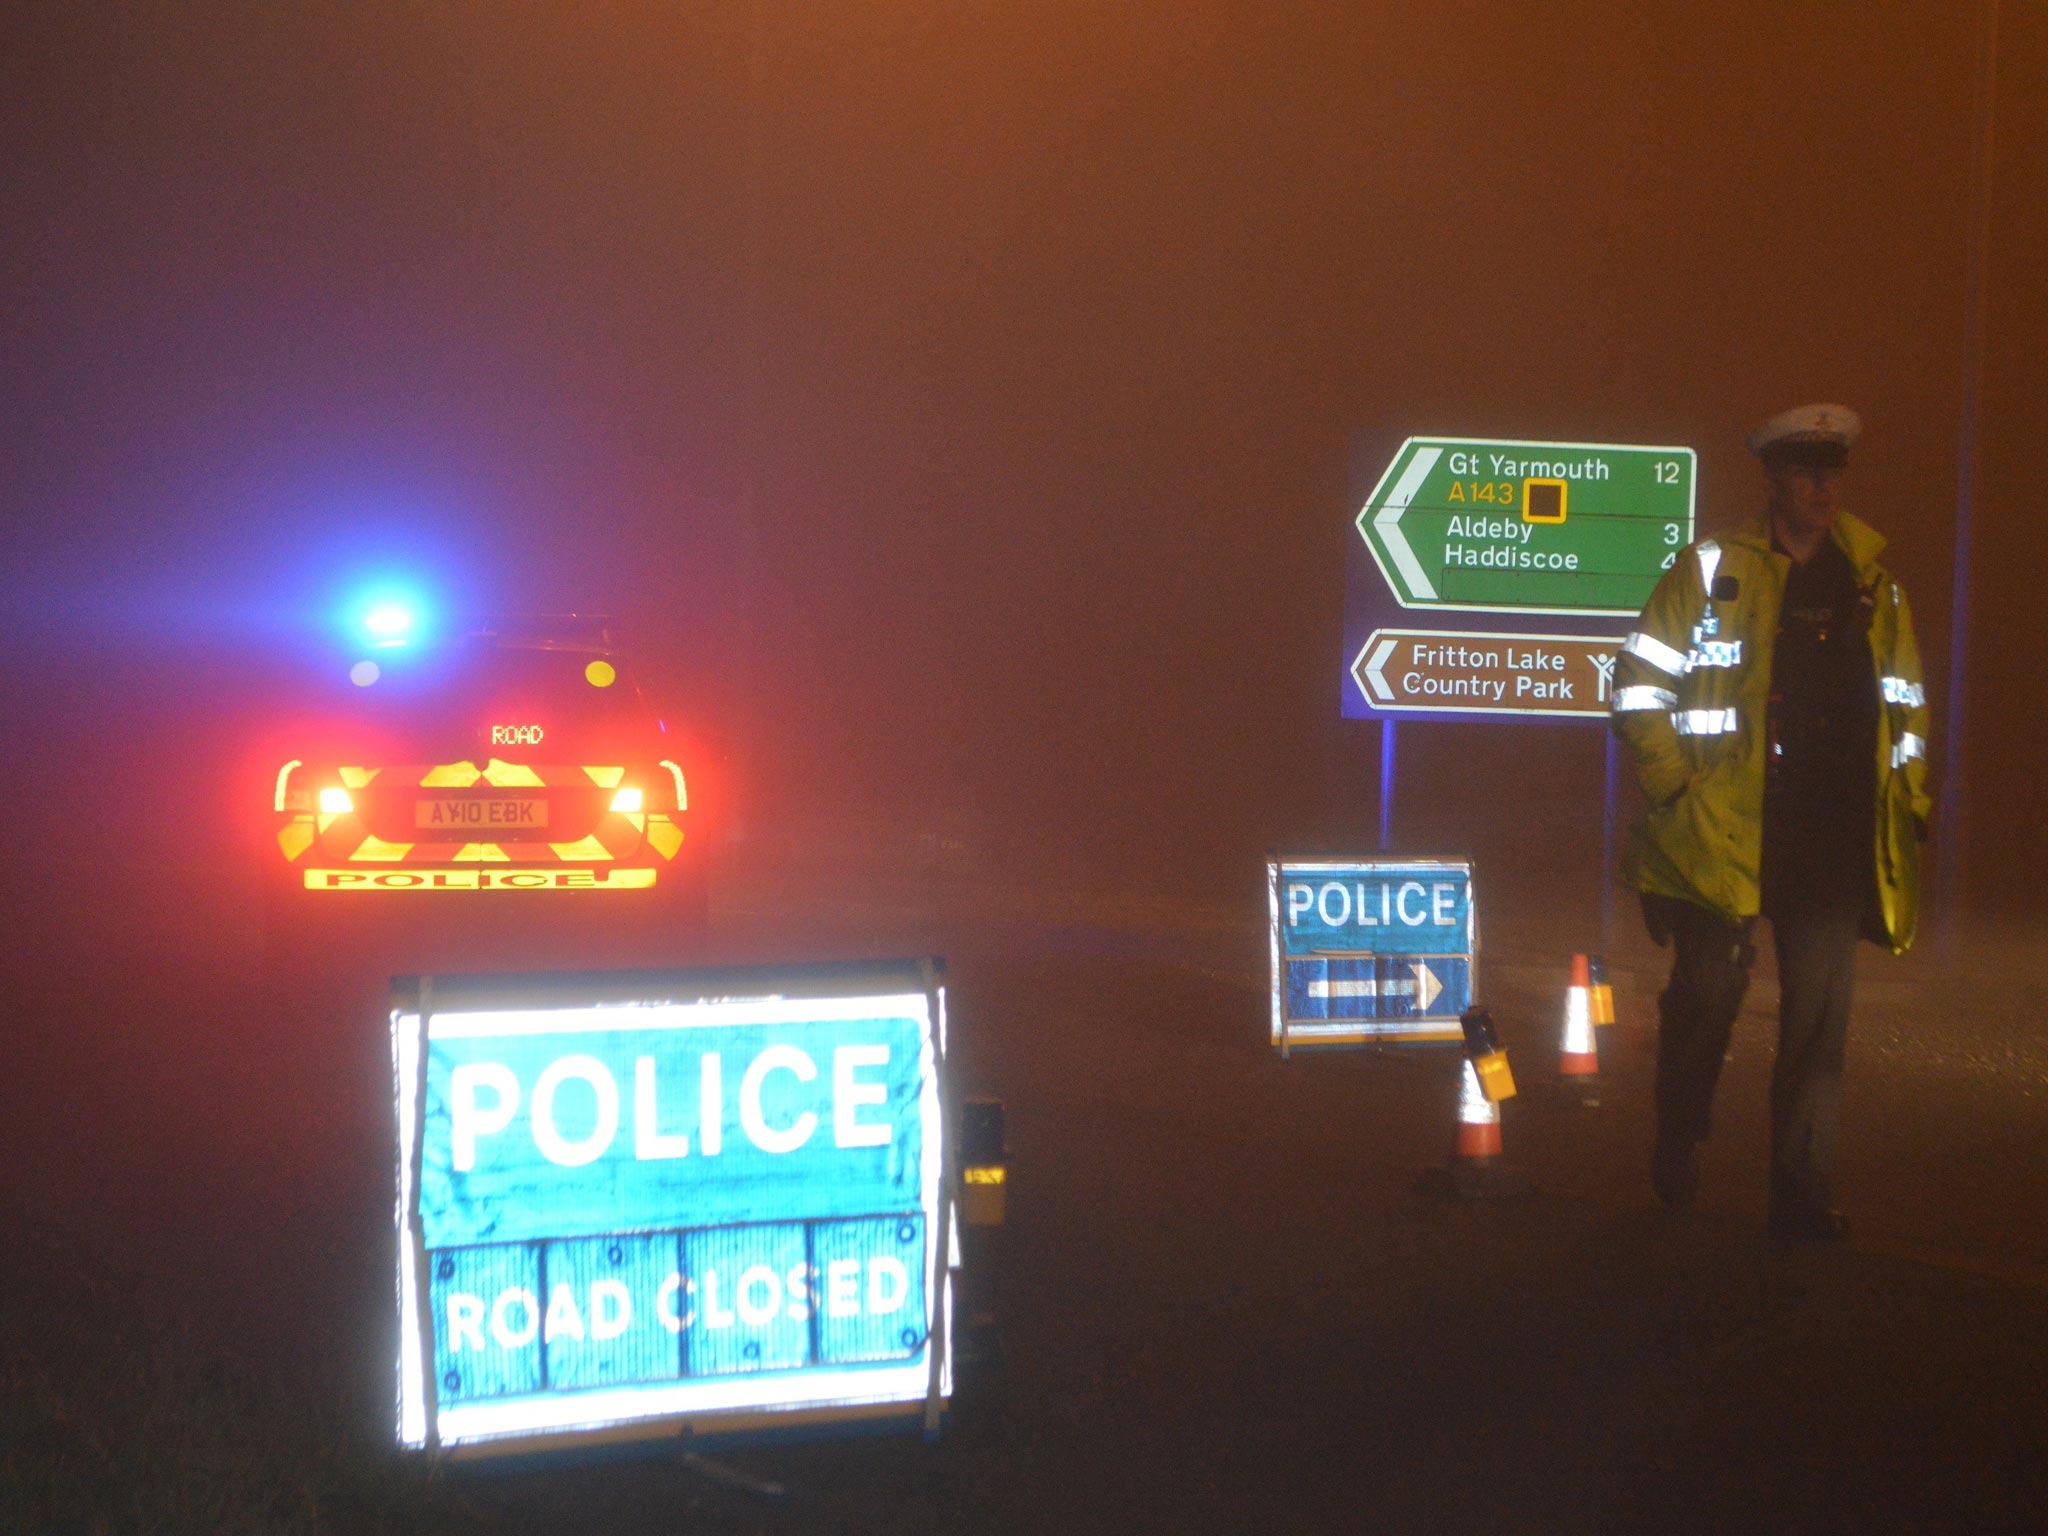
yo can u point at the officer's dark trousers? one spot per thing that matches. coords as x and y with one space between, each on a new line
1816 945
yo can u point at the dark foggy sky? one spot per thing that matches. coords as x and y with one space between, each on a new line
1005 371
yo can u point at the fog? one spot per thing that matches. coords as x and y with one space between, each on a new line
963 407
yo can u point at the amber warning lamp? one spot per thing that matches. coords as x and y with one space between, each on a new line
1489 1060
984 1163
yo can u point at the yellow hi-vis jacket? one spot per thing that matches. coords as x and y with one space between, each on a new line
1691 689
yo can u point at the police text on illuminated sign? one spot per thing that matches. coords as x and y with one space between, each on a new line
1370 950
667 1203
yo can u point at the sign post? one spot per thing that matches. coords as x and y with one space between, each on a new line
638 1203
1370 951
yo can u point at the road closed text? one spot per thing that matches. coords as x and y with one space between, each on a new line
671 1306
607 1309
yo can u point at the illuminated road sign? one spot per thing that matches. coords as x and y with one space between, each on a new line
1369 951
1453 671
1517 527
640 1202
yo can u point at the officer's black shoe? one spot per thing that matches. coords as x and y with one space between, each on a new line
1675 1173
1807 1226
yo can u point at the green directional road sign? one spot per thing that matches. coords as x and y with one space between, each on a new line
1515 527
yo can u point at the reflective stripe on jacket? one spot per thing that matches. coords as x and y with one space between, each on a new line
1691 687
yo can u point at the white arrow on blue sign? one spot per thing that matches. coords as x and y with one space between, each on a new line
1424 988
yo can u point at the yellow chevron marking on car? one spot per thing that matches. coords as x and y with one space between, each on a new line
382 852
358 778
295 837
508 775
588 848
665 836
481 853
528 853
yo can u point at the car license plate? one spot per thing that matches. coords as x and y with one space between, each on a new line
499 813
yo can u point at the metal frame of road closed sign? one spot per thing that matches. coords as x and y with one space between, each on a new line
1370 951
637 1204
1485 577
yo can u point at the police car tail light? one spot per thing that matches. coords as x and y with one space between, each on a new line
286 798
335 801
682 788
629 800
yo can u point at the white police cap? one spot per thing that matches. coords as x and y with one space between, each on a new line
1824 431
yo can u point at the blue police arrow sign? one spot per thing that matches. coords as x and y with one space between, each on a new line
1370 951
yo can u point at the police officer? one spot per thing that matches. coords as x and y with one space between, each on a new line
1772 701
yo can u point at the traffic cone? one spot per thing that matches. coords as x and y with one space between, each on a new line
1578 1063
1602 995
1474 1171
1478 1138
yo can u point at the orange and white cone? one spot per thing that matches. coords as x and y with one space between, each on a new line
1602 997
1478 1142
1578 1063
1475 1170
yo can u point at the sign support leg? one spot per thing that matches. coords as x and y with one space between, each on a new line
939 1321
416 1228
1951 848
1387 764
1608 819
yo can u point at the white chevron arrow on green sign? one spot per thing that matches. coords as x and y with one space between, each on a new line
1510 526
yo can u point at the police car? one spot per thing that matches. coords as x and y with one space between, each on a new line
515 758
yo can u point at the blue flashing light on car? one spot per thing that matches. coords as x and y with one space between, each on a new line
389 623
